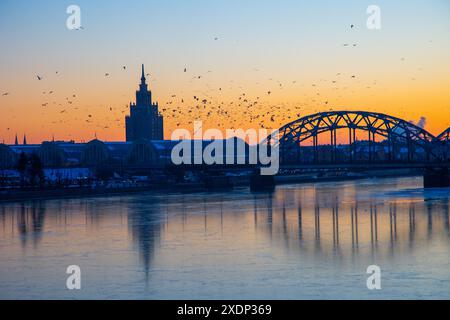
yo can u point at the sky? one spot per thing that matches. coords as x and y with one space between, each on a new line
249 64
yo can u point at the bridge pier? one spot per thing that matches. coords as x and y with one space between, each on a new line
436 177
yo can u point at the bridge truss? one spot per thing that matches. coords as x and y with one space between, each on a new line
392 134
444 136
444 141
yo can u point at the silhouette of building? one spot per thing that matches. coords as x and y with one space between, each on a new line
144 121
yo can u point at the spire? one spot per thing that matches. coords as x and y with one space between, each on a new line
24 139
143 75
17 141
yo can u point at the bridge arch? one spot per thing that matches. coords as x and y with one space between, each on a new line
387 138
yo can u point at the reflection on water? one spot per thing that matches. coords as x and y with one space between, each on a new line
302 241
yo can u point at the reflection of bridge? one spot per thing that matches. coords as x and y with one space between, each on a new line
341 217
372 138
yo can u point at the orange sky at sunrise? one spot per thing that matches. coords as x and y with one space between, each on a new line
401 70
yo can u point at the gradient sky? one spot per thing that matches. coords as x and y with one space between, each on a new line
294 49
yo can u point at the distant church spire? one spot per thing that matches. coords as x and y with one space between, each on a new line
17 141
24 139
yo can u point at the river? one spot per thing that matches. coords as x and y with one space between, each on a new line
303 241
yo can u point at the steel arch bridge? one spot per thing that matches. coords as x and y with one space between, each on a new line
394 132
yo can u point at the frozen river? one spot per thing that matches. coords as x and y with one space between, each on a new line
310 241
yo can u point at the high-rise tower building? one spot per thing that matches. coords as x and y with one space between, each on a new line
144 121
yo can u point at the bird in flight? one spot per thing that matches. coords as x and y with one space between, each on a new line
124 67
39 77
5 94
352 26
106 74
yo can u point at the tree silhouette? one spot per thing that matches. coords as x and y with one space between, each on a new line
31 169
36 171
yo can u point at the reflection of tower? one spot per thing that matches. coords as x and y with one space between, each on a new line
144 121
146 230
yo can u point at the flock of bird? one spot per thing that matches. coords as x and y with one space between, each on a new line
226 106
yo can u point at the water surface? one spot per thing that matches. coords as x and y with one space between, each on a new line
310 241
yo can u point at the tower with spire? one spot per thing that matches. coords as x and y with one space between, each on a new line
144 121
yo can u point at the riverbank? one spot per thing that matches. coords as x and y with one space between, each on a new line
76 192
11 195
